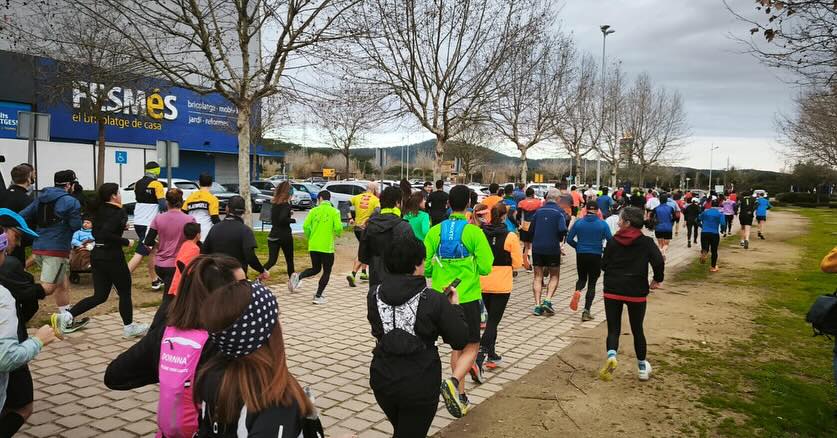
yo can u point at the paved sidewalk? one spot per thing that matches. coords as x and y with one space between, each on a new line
329 348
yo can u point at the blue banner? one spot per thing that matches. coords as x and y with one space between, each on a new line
8 118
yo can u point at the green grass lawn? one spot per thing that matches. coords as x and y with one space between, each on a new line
778 382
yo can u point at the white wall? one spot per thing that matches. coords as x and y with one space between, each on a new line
16 152
132 171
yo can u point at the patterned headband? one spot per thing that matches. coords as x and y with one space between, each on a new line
253 328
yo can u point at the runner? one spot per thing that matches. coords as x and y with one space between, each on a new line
497 285
578 200
525 212
405 373
663 218
710 236
681 205
586 236
692 214
427 189
379 233
520 192
364 206
459 252
281 237
493 198
548 228
605 203
437 204
638 199
625 265
150 200
511 204
762 205
16 199
203 205
167 229
746 211
57 215
235 239
414 214
321 227
189 250
728 208
109 268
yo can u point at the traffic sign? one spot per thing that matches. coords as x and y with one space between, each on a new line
121 157
328 172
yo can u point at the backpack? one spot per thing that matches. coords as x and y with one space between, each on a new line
823 315
46 216
180 352
450 245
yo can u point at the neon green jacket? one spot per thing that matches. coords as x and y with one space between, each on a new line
468 270
420 223
321 226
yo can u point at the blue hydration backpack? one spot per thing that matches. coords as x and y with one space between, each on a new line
451 246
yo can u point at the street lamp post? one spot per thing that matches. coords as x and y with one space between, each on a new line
711 150
606 30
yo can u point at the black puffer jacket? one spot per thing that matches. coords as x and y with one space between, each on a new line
378 235
625 265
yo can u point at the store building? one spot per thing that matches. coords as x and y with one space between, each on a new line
203 126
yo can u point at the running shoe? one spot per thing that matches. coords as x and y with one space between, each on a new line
476 374
714 269
644 370
157 284
463 398
364 276
688 244
547 307
530 271
76 325
586 316
318 300
537 311
761 236
454 404
746 244
59 323
293 282
574 300
741 244
606 373
134 330
493 361
351 279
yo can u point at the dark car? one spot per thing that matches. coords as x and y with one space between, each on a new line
266 187
256 196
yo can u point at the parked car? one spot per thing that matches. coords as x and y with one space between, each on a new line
256 196
222 194
343 191
129 198
308 188
760 191
266 187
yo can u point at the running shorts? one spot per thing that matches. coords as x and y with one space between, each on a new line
745 220
360 245
53 269
663 235
141 249
761 218
472 318
546 260
526 236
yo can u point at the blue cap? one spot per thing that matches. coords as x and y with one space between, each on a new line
9 218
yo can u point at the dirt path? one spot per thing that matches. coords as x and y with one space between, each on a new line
564 396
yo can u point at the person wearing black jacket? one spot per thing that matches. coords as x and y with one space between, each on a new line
16 199
235 239
625 265
692 214
437 204
280 236
406 319
378 235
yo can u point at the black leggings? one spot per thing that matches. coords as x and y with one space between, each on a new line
729 218
636 315
408 420
319 260
495 306
287 247
709 242
106 275
690 226
167 275
589 267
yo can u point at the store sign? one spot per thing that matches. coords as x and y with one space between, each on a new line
8 118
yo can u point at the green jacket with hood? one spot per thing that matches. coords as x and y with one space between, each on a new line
321 226
468 270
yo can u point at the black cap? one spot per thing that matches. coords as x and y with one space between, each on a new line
151 165
236 205
63 177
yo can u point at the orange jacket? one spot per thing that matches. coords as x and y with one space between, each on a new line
499 281
829 262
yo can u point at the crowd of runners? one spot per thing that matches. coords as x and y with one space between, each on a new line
434 263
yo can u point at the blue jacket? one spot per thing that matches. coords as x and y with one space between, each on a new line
56 237
605 202
762 205
82 235
710 220
665 218
548 228
587 234
518 195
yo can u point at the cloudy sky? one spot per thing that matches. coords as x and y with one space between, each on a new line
731 99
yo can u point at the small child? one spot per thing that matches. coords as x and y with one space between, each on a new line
84 236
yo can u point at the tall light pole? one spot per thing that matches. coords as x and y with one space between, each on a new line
606 30
711 150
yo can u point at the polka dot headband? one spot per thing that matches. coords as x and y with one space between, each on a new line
253 328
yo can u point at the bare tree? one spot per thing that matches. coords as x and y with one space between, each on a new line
439 59
611 149
797 35
346 113
554 169
811 133
579 129
470 148
216 46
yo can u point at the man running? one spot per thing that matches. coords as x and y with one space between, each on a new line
150 200
234 238
379 233
526 212
548 228
363 206
457 251
711 221
493 197
437 204
586 236
203 206
746 211
762 205
605 203
691 214
321 227
578 199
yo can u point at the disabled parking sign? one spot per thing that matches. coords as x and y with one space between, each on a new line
121 157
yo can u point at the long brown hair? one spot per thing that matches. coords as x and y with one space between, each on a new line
282 193
413 204
258 380
497 212
203 275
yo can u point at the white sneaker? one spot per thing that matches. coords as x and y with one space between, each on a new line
134 330
319 300
644 371
293 283
60 322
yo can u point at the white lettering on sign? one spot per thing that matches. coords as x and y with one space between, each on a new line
128 101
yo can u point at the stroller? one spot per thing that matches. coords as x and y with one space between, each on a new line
80 261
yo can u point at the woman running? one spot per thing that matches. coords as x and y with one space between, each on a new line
280 236
728 207
497 286
525 212
109 267
143 365
247 390
664 215
625 265
681 204
586 236
710 236
414 214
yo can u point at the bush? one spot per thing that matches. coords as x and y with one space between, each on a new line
802 198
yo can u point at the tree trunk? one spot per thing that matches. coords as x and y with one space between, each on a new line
612 177
243 125
347 164
440 157
100 166
642 176
524 166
